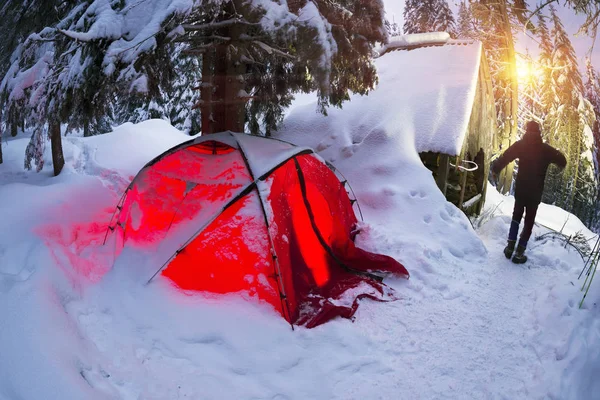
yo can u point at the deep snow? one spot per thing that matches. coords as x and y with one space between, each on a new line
424 95
469 324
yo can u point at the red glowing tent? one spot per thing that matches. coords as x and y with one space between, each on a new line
230 212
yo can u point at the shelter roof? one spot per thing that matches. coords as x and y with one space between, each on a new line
425 95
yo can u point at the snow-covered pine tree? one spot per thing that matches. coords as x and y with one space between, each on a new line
548 109
465 28
260 63
428 16
585 185
22 49
22 17
444 19
494 22
591 9
392 28
174 101
106 53
530 103
546 67
568 86
417 16
592 94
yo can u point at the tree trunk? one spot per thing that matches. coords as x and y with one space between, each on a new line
220 93
511 108
228 107
576 161
206 92
235 104
58 159
86 129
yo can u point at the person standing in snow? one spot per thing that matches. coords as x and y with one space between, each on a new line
534 158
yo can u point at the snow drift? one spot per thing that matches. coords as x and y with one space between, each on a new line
469 323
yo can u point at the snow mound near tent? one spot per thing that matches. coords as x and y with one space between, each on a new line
134 145
375 141
474 326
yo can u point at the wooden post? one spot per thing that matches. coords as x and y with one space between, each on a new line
463 184
443 170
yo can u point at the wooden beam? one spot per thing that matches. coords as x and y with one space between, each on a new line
463 185
443 171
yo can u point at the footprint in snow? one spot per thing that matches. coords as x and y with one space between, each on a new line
389 191
444 215
426 266
418 193
433 254
456 252
322 146
381 170
452 295
348 151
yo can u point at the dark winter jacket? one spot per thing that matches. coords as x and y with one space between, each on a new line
534 158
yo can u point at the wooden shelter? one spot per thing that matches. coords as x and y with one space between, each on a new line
458 154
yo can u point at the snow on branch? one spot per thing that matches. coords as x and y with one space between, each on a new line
216 25
271 50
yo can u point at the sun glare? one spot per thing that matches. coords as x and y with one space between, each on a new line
526 69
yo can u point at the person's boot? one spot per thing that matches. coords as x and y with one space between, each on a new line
520 257
509 249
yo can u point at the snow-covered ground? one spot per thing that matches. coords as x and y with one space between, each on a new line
469 324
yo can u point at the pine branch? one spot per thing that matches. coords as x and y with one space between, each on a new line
217 25
201 38
272 50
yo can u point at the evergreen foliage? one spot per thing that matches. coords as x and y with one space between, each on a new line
428 16
392 28
92 64
465 28
494 21
556 98
564 122
545 65
592 94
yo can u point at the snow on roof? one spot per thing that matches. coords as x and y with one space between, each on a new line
424 99
415 40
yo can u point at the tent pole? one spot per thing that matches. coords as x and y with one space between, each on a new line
282 296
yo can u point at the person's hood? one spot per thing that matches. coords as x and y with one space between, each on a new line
533 137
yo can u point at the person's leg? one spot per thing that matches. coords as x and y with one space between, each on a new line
514 229
530 214
516 221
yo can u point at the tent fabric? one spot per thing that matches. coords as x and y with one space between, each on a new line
229 213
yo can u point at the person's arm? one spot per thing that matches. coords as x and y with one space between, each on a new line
558 158
509 155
